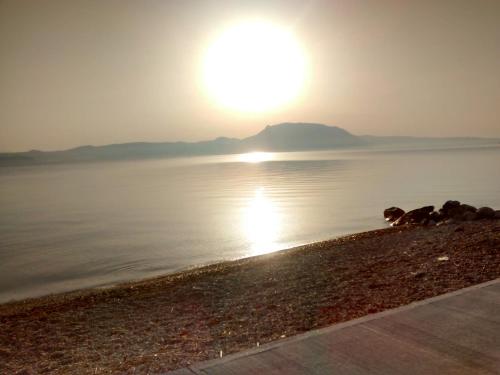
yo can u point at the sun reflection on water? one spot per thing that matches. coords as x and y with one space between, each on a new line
255 157
262 224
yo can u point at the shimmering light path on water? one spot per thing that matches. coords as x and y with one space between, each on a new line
67 227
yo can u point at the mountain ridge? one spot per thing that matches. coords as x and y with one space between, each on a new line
288 136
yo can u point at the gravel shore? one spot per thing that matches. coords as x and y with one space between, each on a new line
172 321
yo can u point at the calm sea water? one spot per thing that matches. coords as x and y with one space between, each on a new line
67 227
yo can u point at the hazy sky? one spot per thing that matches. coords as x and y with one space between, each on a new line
110 71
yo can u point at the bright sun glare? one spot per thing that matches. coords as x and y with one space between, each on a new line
255 157
254 66
262 224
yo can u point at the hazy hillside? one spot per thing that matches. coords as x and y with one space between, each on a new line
402 141
300 136
280 137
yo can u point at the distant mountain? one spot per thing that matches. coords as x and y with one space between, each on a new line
404 141
280 137
300 136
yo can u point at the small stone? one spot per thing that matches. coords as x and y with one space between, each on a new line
25 372
443 259
459 229
418 274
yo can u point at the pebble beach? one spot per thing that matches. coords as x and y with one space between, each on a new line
169 322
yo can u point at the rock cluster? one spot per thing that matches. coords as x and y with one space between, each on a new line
452 211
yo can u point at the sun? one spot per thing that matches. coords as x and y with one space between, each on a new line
254 66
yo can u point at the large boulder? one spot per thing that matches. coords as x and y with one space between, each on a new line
469 216
485 213
468 208
457 211
449 209
497 214
448 205
463 212
393 213
417 216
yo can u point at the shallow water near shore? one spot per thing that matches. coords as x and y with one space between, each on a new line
66 227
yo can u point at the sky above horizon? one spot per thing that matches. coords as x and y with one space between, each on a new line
97 72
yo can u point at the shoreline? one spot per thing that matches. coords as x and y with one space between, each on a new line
203 267
171 321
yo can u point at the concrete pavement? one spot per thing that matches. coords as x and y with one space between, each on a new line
456 333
